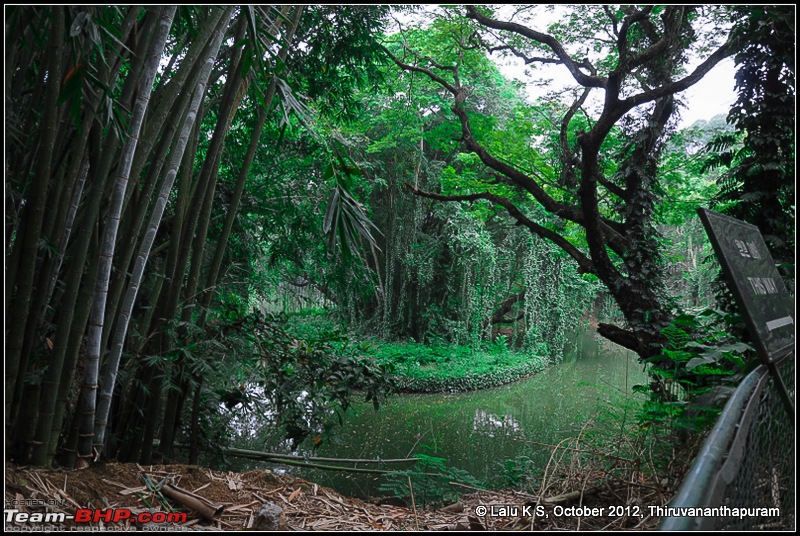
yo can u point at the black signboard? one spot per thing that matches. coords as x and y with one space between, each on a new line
750 271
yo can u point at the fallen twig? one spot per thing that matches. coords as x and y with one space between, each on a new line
197 503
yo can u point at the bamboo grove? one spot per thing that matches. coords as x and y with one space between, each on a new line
107 126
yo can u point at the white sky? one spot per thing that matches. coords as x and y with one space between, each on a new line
711 96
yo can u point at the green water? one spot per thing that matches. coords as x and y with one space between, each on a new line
478 431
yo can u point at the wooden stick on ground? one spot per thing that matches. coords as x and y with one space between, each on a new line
188 499
413 504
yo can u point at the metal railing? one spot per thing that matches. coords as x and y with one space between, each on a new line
744 476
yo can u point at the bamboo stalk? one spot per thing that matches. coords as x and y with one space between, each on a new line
88 397
413 503
197 503
328 467
272 455
108 375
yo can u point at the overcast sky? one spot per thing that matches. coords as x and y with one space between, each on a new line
711 96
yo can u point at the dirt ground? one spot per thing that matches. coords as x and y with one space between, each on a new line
232 501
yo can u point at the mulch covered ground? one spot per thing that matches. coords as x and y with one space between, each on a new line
237 498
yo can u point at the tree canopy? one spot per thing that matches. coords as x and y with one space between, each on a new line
638 63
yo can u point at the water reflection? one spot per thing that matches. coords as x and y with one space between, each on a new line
489 424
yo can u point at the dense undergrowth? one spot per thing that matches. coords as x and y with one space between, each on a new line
421 368
428 368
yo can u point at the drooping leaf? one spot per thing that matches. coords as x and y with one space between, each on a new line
78 24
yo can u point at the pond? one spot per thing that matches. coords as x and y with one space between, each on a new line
478 431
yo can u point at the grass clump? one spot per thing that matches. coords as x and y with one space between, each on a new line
436 368
425 368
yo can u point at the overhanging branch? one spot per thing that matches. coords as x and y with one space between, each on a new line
526 59
543 38
519 178
684 83
584 262
623 337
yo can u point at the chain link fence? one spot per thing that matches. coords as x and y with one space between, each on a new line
744 476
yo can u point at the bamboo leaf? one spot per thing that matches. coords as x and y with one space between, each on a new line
114 38
330 214
247 63
78 24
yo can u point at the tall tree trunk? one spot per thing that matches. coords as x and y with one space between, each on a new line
77 194
111 366
73 339
174 270
233 207
194 434
21 283
88 398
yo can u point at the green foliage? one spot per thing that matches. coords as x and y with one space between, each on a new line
300 386
695 371
461 277
341 55
686 178
759 184
433 367
311 323
453 368
520 472
431 482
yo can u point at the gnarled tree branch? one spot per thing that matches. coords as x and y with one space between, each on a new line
543 38
499 316
677 86
584 262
